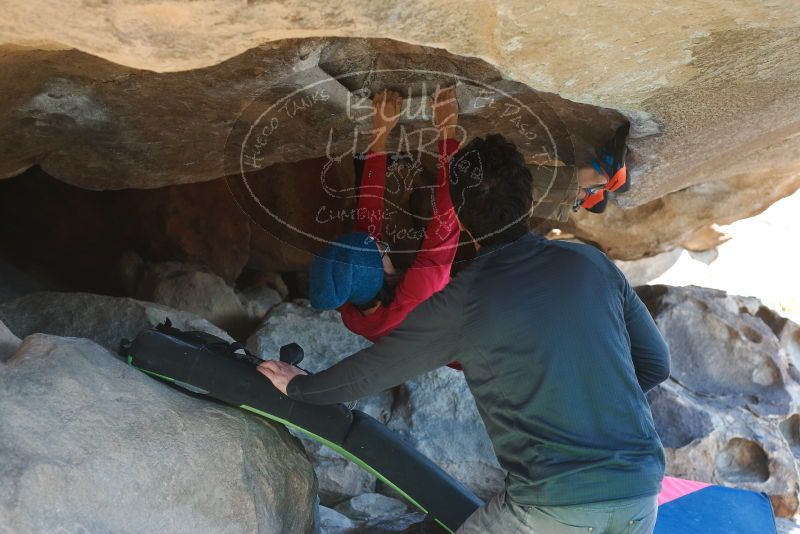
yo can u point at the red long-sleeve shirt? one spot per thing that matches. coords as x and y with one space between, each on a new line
430 271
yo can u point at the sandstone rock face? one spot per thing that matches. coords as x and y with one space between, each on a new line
728 413
71 94
104 320
432 411
210 102
91 444
705 239
711 91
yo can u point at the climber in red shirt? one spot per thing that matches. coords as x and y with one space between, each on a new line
355 274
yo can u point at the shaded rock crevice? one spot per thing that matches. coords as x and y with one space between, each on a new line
743 461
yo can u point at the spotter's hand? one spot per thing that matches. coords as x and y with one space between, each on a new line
279 373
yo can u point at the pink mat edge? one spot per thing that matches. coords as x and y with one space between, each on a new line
674 488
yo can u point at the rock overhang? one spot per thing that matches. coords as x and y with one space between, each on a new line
712 100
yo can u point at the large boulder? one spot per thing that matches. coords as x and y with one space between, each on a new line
675 219
323 336
692 82
91 444
721 347
434 412
728 414
221 103
105 320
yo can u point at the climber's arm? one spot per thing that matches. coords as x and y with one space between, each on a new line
387 105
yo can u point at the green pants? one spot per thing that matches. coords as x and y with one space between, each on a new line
503 516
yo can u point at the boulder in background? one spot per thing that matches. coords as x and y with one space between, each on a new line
728 414
105 320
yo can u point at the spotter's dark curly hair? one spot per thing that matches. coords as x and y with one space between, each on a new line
491 189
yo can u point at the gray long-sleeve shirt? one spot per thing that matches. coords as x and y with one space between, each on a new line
558 351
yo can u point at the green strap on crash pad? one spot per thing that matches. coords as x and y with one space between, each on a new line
336 448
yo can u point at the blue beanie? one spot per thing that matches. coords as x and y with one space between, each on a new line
348 270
